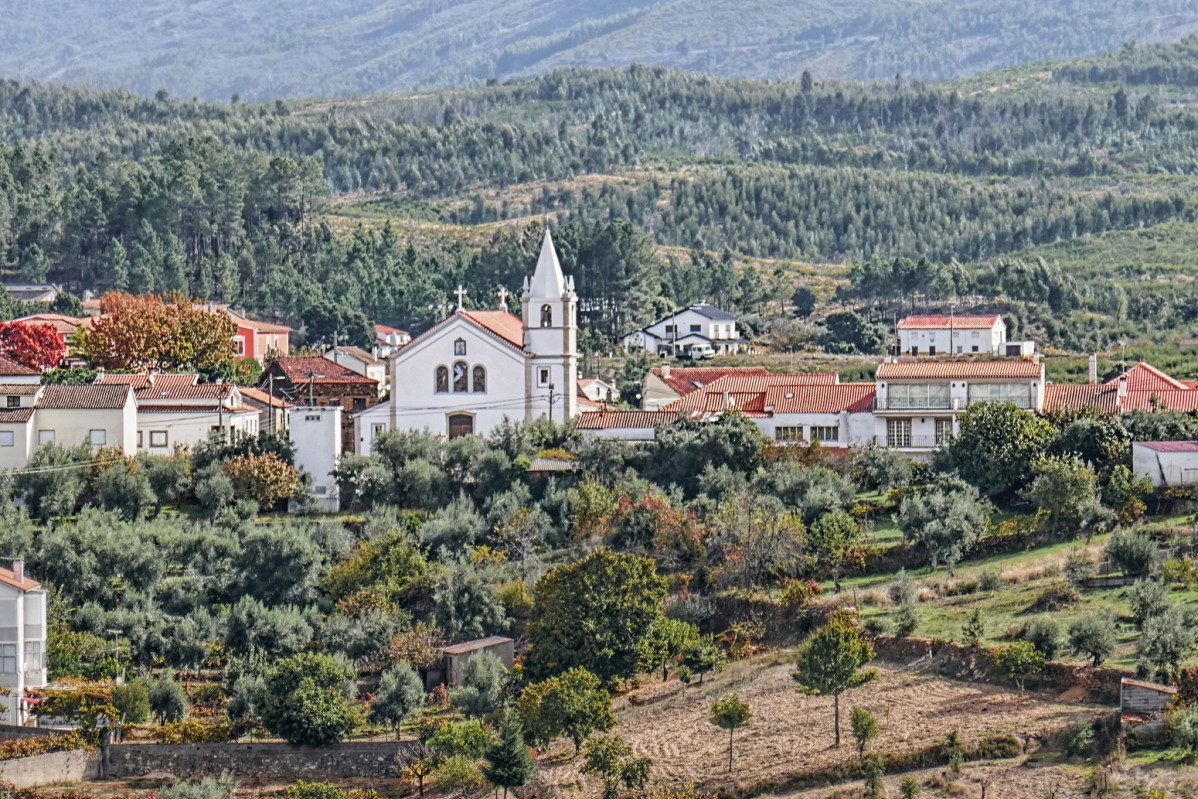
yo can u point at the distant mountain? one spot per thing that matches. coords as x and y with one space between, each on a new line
303 48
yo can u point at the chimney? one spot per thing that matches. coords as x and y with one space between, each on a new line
665 371
18 569
727 400
1122 390
1093 369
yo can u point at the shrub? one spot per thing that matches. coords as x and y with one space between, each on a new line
1178 571
1045 635
990 580
1133 552
222 787
28 747
974 629
906 620
902 589
909 788
1147 598
1077 740
1018 660
1093 636
1055 597
313 790
266 478
132 702
798 594
167 698
192 731
876 625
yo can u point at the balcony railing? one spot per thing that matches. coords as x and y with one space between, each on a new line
919 442
917 404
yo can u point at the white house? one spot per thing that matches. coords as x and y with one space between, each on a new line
369 425
701 329
388 339
362 362
473 369
315 432
952 335
794 408
178 409
102 416
665 384
22 640
1166 463
13 372
918 402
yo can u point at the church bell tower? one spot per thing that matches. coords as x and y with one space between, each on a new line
550 311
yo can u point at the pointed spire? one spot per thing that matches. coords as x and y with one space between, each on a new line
548 281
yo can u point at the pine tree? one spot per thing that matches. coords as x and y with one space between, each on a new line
509 762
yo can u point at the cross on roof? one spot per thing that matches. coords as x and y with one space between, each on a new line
461 292
503 292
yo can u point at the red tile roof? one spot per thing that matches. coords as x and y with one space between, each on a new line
1169 446
961 370
685 379
8 577
264 398
774 394
609 420
297 369
21 389
152 387
93 397
948 322
1145 377
507 326
10 368
389 331
1095 397
63 324
16 415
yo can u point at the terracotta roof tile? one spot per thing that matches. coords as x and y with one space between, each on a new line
10 368
1145 377
16 415
774 394
962 370
947 322
296 370
25 584
508 327
685 379
20 389
609 420
93 397
1169 446
257 395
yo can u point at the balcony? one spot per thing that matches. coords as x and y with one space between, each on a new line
917 404
919 442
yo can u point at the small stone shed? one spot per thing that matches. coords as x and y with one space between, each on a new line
453 658
1144 706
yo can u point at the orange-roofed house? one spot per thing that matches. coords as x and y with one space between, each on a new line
665 384
316 381
952 335
918 402
22 639
259 340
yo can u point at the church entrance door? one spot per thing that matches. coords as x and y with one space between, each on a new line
460 424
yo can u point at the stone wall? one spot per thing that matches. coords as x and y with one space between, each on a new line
51 769
1098 685
14 732
284 761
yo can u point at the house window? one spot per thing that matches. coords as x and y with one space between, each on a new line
459 377
7 439
919 395
378 428
442 382
8 658
931 349
157 438
459 346
670 329
898 432
480 380
944 431
542 377
97 438
139 444
45 437
825 433
914 350
788 433
546 316
14 402
696 328
1018 393
359 403
975 347
239 345
34 656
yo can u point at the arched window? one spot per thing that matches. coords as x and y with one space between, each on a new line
480 380
442 385
546 316
460 377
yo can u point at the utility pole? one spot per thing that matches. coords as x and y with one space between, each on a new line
551 402
220 410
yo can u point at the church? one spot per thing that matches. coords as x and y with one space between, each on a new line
472 369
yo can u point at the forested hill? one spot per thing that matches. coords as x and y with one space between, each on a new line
255 48
385 203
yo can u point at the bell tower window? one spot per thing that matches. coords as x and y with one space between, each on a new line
546 316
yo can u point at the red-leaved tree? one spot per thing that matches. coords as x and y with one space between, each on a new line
35 346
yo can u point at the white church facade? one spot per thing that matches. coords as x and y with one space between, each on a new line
473 369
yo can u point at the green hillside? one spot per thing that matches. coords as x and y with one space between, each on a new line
216 48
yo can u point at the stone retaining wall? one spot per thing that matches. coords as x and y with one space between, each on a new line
279 760
51 769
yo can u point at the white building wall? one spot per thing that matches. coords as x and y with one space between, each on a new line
1164 469
954 342
415 405
22 647
73 427
316 435
368 425
189 427
17 455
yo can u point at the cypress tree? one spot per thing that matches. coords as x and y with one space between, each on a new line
509 762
